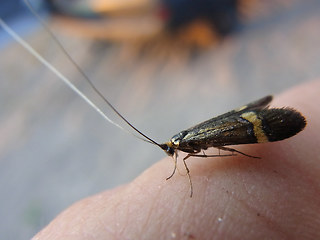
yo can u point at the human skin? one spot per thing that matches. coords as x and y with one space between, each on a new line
275 197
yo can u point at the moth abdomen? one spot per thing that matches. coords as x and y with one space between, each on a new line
280 123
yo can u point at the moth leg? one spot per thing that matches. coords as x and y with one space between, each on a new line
187 169
197 155
175 165
205 156
234 150
189 177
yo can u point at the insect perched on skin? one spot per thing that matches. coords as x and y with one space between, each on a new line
252 123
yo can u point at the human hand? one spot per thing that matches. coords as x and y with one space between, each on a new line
275 197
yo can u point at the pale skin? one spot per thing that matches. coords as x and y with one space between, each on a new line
275 197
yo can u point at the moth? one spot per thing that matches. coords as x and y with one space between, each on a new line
252 123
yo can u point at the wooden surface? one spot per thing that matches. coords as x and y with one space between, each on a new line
55 150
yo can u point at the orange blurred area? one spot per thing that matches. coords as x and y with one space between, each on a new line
143 20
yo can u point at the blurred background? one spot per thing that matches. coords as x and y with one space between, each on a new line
165 65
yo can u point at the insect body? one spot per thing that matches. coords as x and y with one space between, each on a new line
252 123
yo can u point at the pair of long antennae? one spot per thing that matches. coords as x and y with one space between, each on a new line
31 50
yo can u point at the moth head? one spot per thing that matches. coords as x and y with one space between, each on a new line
167 147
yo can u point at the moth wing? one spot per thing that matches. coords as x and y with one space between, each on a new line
256 105
260 104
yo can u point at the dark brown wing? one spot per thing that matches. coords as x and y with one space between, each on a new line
258 104
198 136
242 127
230 130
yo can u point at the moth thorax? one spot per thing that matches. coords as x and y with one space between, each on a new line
175 140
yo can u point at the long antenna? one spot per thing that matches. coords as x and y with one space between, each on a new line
66 80
54 70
